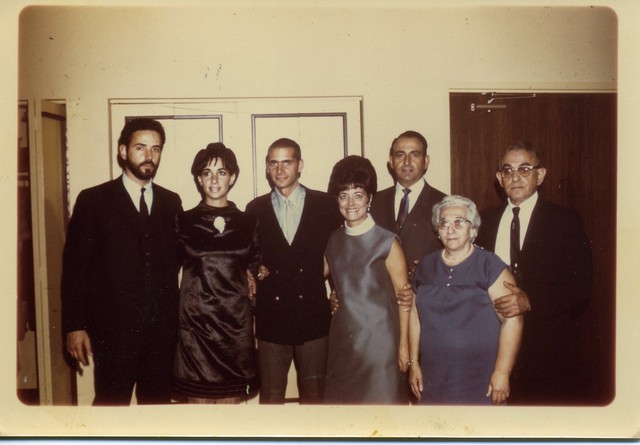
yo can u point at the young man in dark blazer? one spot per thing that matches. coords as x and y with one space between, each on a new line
408 162
120 275
292 309
552 264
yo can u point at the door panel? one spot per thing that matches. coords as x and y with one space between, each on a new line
576 135
50 214
320 134
326 128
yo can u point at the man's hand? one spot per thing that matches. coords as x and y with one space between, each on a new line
412 269
263 272
251 285
515 303
404 297
333 301
79 346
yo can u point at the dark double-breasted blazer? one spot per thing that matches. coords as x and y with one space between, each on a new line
291 302
118 277
556 273
417 236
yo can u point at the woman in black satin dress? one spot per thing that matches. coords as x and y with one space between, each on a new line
216 356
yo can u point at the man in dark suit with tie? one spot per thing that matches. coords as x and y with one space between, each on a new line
550 256
405 208
120 275
292 309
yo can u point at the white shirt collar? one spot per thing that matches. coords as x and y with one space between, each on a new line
527 205
296 196
416 188
133 189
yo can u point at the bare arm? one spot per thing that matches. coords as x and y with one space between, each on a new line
397 269
515 302
326 268
508 343
415 371
333 298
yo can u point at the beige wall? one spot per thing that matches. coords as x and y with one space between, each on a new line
403 60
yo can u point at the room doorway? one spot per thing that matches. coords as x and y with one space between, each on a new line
44 374
576 134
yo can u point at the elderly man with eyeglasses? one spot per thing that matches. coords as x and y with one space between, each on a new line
550 256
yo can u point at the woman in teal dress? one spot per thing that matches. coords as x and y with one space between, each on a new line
368 343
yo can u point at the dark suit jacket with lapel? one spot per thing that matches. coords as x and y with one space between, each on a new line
556 267
112 285
417 235
291 303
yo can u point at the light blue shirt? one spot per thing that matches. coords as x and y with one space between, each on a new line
295 201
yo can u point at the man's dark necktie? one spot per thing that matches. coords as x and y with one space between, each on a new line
144 210
515 240
403 211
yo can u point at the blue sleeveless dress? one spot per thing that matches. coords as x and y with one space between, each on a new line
459 327
362 366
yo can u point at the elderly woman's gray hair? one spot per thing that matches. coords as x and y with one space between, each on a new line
456 200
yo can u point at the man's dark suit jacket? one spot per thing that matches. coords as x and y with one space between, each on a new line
417 236
291 303
112 285
556 267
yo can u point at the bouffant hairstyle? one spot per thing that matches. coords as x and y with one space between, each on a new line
353 172
216 150
138 124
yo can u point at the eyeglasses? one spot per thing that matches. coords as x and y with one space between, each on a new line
524 170
458 223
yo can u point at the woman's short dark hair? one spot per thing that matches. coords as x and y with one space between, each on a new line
216 150
138 124
353 172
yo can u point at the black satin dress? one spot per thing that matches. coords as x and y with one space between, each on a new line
216 356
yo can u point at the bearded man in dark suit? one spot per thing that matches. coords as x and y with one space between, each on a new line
120 275
550 256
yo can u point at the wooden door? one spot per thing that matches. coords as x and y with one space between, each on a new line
576 135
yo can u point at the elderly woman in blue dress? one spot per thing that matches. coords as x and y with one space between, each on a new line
462 350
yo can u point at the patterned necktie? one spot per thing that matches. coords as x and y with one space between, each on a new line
403 211
515 239
144 210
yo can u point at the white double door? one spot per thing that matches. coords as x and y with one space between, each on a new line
327 130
